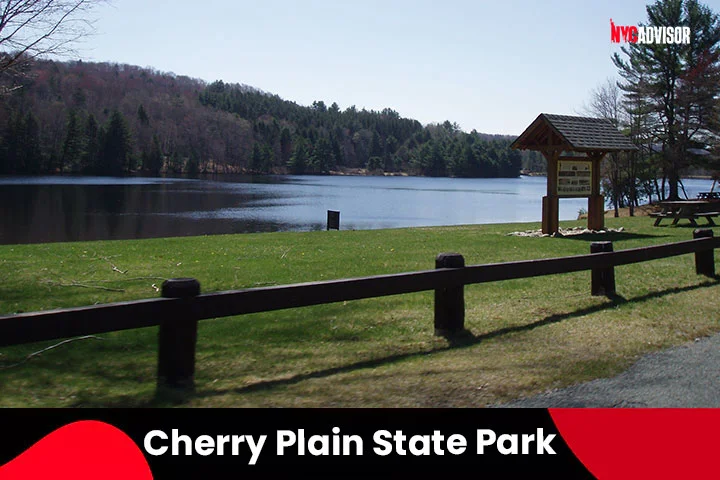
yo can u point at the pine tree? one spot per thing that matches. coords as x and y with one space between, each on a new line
174 163
376 149
437 166
337 151
89 158
678 82
285 145
72 148
29 147
322 159
10 144
299 158
268 158
142 116
116 149
154 158
193 165
256 159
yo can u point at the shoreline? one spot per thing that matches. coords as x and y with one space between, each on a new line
425 228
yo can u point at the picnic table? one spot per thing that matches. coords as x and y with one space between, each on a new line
687 209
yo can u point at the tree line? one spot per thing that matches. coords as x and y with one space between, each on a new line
110 119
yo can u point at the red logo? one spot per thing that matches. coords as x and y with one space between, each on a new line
657 35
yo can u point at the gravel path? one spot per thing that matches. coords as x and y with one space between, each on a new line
682 377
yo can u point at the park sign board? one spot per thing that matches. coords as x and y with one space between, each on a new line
573 148
574 178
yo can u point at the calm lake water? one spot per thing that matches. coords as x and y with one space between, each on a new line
64 208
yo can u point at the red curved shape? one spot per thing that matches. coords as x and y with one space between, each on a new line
82 451
643 443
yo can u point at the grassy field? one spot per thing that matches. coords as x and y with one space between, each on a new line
527 335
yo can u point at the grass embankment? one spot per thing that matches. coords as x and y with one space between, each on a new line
529 335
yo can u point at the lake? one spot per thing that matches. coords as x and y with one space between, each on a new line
68 208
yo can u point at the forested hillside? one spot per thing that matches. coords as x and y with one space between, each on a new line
100 118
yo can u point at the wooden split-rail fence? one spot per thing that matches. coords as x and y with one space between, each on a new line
182 306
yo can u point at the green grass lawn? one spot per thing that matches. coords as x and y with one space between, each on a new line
528 335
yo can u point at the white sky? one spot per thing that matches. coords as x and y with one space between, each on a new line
492 66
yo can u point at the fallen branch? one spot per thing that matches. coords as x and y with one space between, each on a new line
82 285
114 267
132 279
40 352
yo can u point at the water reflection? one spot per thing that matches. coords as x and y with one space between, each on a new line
87 209
61 208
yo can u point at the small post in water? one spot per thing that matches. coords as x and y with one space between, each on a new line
705 259
603 279
177 338
449 301
333 220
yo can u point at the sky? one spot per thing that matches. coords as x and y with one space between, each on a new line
492 66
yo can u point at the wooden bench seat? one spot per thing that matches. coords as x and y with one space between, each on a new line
708 216
658 216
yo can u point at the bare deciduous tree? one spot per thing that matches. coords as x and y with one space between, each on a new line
36 28
606 102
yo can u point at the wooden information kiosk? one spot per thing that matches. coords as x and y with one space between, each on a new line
573 148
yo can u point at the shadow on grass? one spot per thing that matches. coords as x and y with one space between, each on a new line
687 225
610 236
463 340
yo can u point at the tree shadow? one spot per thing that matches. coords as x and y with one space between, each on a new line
609 236
463 340
688 225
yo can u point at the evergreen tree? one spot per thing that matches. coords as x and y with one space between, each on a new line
154 158
29 147
72 149
285 146
90 156
116 148
268 158
10 145
256 159
466 164
437 166
374 163
391 144
337 151
376 149
142 116
193 165
299 158
678 82
322 159
174 163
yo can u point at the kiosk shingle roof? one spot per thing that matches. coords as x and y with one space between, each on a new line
582 134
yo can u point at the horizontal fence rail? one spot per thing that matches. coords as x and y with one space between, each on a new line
70 322
178 315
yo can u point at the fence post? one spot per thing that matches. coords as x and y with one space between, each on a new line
603 279
333 220
705 259
177 338
449 301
